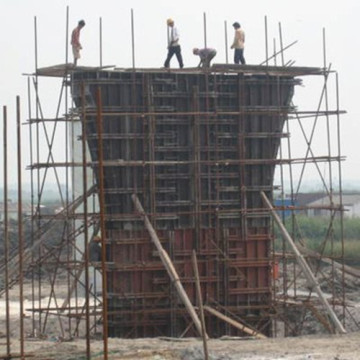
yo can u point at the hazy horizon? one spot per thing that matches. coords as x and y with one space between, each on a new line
308 23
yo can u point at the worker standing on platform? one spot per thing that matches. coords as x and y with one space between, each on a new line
173 44
238 44
95 249
75 41
206 55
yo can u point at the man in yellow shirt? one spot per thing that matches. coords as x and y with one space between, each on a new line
238 44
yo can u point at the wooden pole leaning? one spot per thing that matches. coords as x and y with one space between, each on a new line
168 265
234 323
304 266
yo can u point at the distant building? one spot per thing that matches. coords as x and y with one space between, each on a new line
12 209
285 206
350 203
304 199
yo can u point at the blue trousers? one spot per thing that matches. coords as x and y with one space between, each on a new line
171 51
239 56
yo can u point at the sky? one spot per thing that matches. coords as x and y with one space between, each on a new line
305 22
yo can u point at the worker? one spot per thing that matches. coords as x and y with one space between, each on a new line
75 41
238 44
95 249
173 44
206 55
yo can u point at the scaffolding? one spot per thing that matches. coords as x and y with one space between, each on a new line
179 159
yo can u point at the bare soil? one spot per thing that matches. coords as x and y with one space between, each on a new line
53 346
335 347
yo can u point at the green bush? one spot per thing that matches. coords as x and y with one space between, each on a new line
313 231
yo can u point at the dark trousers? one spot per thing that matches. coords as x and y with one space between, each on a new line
239 56
177 51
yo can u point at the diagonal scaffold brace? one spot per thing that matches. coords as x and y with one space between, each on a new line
304 266
168 266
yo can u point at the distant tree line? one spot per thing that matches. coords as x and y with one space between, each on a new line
314 231
54 233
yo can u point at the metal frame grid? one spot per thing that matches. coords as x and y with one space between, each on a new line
197 147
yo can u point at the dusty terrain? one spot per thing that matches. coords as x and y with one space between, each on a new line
337 347
54 346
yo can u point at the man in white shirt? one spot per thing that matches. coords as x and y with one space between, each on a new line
173 46
238 44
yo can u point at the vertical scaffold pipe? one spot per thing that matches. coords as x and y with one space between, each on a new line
226 43
100 41
200 301
86 232
20 229
205 32
132 39
102 220
266 42
6 235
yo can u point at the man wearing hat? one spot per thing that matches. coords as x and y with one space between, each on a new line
173 44
238 44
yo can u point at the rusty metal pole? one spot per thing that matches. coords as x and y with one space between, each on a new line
67 38
37 155
132 39
281 45
6 233
205 35
102 221
200 301
86 232
266 42
72 144
32 230
340 191
20 229
100 41
226 43
328 125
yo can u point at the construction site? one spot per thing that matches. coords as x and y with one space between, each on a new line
168 227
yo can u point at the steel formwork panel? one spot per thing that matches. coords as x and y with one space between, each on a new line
208 128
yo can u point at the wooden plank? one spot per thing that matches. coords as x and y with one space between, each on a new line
234 323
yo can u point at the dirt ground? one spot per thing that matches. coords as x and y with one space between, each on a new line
336 347
53 346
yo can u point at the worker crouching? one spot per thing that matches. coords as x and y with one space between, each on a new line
206 55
